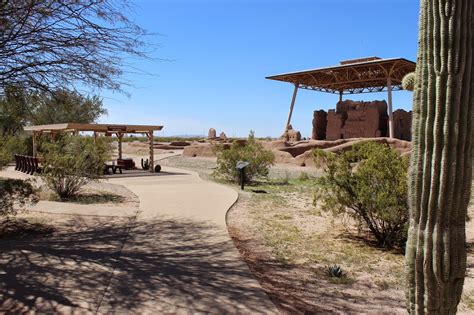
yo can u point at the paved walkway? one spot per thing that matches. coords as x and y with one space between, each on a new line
191 263
172 255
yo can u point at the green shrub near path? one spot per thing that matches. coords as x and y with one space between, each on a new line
253 152
368 183
72 161
11 145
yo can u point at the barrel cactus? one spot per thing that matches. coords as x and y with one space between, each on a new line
441 160
145 164
408 82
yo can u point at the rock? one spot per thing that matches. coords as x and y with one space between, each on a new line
180 143
301 147
202 150
282 157
211 134
199 150
294 136
291 135
305 159
222 136
276 144
168 147
399 145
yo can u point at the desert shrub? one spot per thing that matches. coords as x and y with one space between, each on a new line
253 152
72 161
369 184
14 193
11 145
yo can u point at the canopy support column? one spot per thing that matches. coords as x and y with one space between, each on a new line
390 113
295 91
152 161
340 96
34 143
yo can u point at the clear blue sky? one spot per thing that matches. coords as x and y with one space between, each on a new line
221 51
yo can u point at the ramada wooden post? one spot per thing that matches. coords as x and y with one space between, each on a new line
34 143
119 137
152 162
295 91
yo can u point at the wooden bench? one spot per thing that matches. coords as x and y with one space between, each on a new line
112 167
27 164
127 164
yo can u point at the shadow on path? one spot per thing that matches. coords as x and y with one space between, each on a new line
166 265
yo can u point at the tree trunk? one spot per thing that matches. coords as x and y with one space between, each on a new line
441 161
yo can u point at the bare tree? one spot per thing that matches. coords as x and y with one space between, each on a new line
47 44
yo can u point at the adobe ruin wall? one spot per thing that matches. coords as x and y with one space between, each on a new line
359 119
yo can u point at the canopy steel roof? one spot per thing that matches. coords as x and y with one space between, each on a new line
361 75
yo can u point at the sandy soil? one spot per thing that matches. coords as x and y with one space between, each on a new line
288 244
285 240
104 252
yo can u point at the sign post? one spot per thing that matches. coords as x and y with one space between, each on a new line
241 165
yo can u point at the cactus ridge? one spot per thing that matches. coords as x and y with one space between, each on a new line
441 161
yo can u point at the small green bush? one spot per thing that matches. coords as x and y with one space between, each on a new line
14 193
253 152
11 145
368 183
72 161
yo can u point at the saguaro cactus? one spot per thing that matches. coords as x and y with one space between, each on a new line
441 162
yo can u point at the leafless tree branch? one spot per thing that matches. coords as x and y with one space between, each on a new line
47 44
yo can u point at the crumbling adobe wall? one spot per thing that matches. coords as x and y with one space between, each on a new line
335 123
364 119
291 135
353 119
402 124
320 120
358 119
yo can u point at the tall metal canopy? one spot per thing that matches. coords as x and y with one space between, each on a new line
363 75
107 129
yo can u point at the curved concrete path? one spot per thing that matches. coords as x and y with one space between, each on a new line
170 255
179 257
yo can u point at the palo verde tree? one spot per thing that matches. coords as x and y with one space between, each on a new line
47 44
61 106
441 160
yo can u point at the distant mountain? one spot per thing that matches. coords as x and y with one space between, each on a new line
184 136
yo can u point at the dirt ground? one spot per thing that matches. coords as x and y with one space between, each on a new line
289 243
65 255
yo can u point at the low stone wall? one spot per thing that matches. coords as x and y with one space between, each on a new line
299 153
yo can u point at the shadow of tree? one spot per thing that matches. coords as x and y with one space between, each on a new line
165 266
